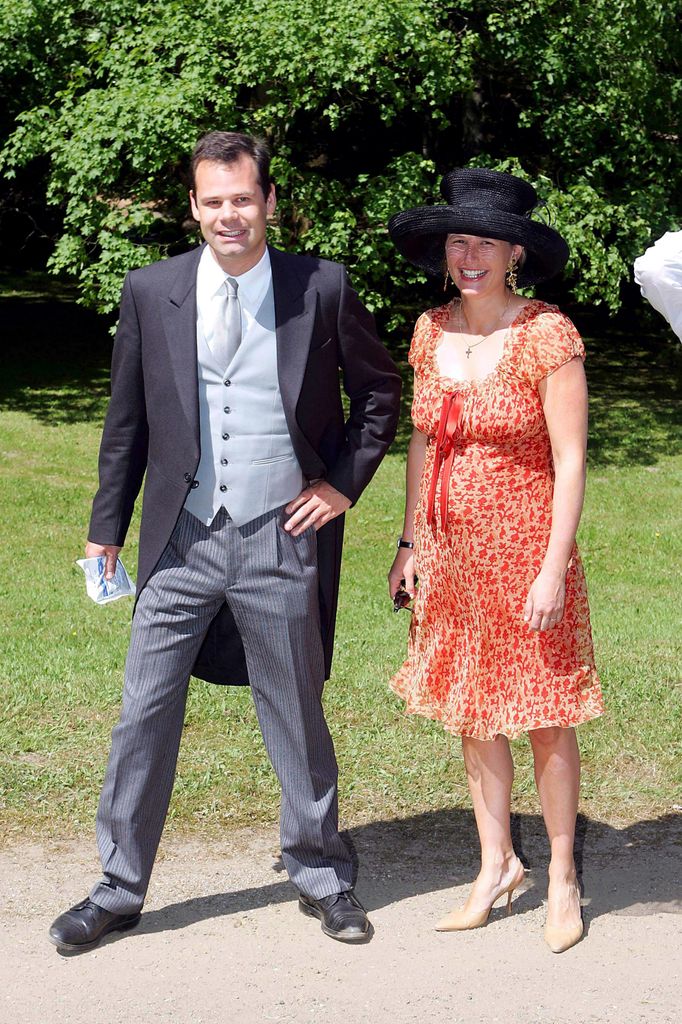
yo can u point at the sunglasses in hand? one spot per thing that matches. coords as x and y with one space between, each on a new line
401 598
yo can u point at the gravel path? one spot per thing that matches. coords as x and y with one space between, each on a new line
221 938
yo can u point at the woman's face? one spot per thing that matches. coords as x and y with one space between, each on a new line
478 265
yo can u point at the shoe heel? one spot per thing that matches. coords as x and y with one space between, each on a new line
308 911
513 889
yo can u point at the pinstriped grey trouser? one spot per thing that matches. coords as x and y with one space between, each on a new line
270 581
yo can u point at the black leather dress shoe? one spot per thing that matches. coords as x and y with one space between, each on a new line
342 915
85 925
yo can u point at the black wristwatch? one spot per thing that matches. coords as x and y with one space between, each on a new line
405 543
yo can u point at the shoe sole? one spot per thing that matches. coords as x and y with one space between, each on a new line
351 937
82 947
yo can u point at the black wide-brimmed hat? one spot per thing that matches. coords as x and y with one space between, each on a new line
485 203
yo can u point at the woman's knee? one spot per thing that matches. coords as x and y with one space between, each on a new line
555 749
548 738
485 755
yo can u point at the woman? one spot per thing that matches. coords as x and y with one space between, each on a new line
500 639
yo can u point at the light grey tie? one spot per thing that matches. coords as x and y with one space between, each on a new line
227 334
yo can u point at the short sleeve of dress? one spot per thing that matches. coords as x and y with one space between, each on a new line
551 340
417 353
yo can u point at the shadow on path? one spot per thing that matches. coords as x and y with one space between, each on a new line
634 870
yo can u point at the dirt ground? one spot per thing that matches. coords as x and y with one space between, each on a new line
221 938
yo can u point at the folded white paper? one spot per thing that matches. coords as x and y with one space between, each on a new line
100 589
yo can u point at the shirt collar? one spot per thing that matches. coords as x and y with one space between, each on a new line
253 284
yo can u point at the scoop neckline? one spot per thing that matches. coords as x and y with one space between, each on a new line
476 381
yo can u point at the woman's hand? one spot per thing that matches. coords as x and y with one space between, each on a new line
402 568
545 601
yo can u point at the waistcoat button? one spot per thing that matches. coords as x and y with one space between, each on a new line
188 478
223 487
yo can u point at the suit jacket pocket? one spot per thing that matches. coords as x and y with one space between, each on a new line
272 460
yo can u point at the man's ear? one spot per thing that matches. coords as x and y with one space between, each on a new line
271 201
193 205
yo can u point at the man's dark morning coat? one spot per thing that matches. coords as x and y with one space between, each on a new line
152 423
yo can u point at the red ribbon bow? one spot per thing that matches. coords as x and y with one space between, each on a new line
449 425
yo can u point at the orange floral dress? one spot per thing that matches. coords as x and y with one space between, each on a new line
472 662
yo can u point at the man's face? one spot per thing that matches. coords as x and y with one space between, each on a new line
232 212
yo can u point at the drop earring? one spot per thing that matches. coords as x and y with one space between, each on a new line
510 279
446 279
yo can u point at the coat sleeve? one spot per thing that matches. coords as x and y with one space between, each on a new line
372 384
123 449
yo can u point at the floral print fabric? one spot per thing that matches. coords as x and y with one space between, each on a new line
472 661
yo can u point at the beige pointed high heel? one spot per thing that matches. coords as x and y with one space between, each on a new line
463 920
560 939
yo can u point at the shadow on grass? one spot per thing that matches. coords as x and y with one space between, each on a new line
634 372
631 871
56 360
635 395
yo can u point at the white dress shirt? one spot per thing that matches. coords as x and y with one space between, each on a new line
210 279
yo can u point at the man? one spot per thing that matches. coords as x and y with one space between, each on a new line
225 391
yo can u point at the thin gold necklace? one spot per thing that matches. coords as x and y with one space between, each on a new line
462 318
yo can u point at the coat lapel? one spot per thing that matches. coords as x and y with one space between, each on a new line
295 306
179 316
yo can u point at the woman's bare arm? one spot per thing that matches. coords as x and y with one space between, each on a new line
564 399
403 565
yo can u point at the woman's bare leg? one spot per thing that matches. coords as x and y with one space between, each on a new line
490 773
557 774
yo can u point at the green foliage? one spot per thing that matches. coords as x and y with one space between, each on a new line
592 113
350 224
365 105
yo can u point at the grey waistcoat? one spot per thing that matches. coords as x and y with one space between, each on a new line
247 464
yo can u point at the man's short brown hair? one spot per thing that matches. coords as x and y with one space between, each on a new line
227 148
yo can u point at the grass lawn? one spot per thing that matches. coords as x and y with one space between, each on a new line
62 656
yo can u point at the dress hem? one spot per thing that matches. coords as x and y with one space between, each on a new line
593 708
